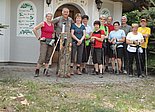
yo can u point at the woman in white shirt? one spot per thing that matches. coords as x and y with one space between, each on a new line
134 40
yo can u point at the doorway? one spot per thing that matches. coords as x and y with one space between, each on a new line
73 10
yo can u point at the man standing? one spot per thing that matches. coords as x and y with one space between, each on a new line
127 28
109 23
62 26
109 51
146 31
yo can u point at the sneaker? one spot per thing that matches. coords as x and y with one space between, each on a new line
141 76
46 72
131 75
101 75
79 72
124 72
106 69
97 73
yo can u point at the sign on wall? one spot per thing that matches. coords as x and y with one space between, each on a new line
26 19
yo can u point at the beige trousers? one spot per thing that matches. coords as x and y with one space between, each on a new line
45 53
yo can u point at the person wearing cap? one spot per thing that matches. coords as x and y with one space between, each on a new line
127 28
87 44
134 40
146 31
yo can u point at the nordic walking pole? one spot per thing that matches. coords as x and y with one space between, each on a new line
86 54
146 70
50 62
64 52
115 46
138 54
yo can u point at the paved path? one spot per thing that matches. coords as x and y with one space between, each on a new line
27 73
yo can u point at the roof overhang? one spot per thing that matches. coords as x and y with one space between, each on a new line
130 5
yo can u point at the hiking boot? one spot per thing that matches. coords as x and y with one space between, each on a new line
84 71
79 72
71 70
114 71
67 75
93 72
36 73
45 72
120 72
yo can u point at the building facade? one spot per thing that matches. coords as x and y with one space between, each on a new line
18 43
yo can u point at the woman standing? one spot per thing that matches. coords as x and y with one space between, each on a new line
78 33
134 40
97 39
116 38
47 29
87 45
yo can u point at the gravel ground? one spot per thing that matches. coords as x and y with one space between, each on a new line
27 73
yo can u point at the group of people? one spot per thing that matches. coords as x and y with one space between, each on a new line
75 40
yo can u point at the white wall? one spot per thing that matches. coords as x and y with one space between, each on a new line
24 49
117 11
5 39
93 12
109 5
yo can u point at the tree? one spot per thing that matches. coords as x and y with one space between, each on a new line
148 12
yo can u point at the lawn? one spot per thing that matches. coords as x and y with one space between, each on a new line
31 96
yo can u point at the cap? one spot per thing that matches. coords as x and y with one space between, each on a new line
143 20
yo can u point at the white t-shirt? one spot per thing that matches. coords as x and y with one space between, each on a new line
133 37
88 29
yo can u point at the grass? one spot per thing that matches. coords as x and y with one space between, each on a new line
63 97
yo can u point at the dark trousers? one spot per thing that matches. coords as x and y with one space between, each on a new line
86 53
97 56
133 56
125 58
76 51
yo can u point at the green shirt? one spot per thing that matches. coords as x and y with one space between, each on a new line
106 30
